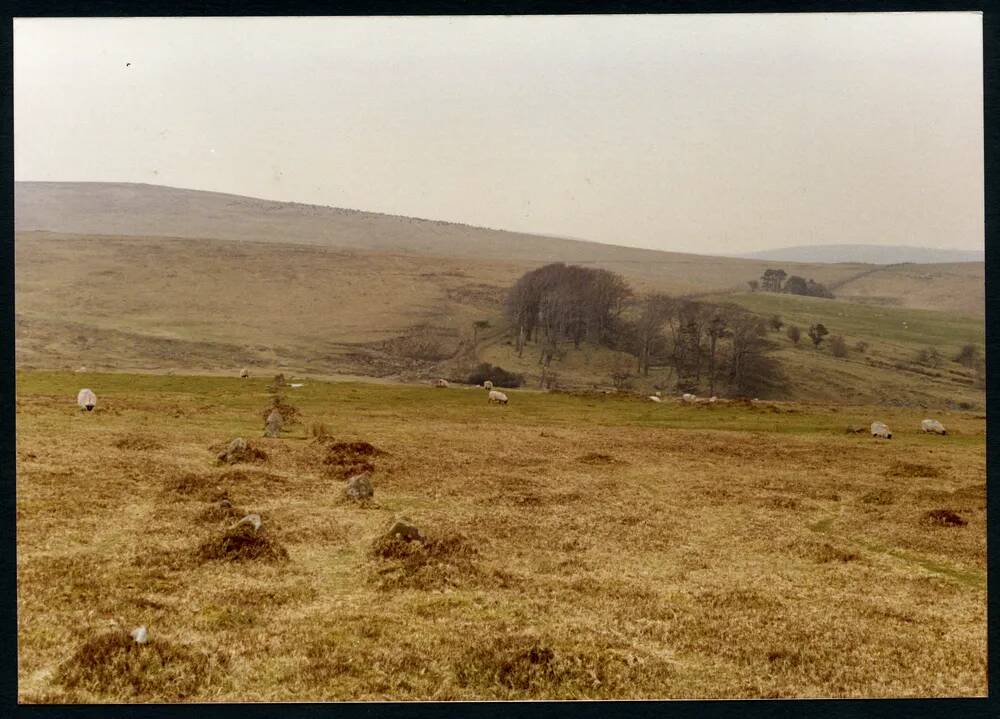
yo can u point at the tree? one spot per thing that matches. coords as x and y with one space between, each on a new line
929 357
816 333
776 323
754 285
838 346
969 356
794 334
717 328
750 369
797 286
771 280
647 330
815 289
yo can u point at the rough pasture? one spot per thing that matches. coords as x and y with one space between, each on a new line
712 551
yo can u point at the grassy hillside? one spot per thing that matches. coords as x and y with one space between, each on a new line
959 287
577 547
162 304
155 211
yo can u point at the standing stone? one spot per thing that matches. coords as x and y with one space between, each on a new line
360 486
273 426
405 530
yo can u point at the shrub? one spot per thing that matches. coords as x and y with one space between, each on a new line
861 346
497 375
969 356
794 333
776 323
838 346
817 332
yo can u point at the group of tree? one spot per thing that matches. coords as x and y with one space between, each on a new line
700 344
565 302
775 281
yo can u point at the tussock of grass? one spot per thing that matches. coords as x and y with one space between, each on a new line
346 459
437 562
243 543
943 518
517 666
112 663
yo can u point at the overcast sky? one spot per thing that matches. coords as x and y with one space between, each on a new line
709 134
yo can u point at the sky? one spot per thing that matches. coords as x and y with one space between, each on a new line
716 134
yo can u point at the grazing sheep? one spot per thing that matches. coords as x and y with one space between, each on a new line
879 429
654 398
713 400
932 425
295 386
488 384
86 399
443 383
688 397
498 397
244 373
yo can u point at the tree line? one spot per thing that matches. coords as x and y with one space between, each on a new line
779 281
719 347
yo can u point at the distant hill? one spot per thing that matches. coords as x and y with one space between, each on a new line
868 254
139 210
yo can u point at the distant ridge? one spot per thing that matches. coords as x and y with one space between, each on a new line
867 254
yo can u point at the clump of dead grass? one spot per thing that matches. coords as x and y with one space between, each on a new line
523 665
444 560
243 543
346 459
249 454
137 442
113 664
912 469
943 518
823 552
197 486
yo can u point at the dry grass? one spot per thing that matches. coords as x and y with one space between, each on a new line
243 543
113 663
730 553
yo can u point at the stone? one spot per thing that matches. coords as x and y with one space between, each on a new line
360 486
272 428
140 635
405 530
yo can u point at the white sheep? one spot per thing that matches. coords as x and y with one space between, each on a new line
498 397
441 383
86 399
244 373
688 397
880 429
654 398
932 425
488 384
